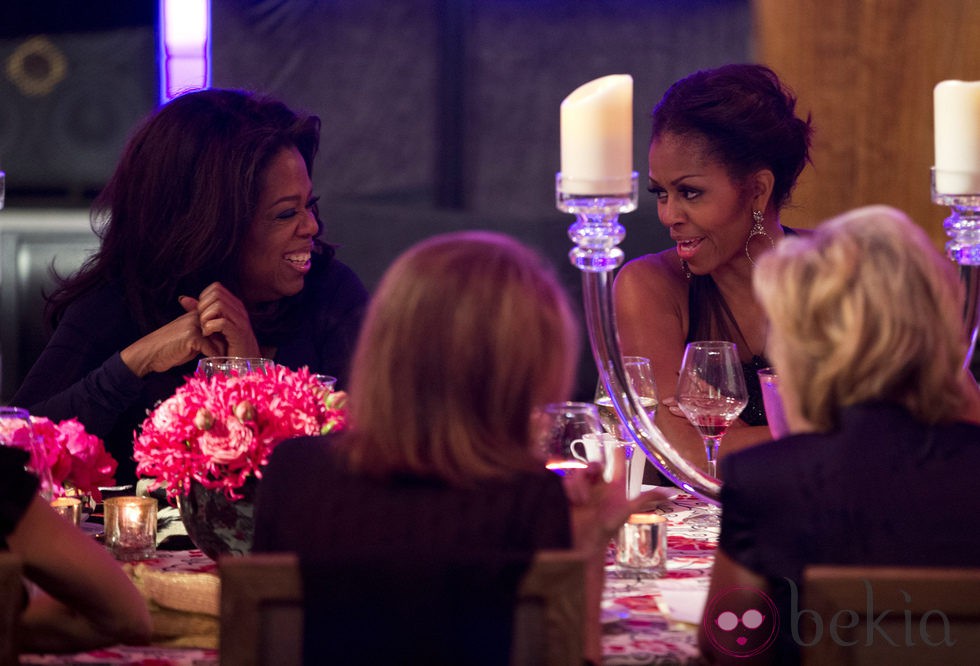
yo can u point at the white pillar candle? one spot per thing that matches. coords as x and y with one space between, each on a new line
597 137
956 123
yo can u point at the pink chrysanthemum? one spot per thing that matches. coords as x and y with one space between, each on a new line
222 430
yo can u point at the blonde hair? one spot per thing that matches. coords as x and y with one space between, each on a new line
866 309
466 333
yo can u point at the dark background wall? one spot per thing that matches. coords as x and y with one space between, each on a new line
444 114
437 114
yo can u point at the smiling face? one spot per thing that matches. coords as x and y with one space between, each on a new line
276 254
708 213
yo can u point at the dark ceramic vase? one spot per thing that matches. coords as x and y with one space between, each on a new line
217 525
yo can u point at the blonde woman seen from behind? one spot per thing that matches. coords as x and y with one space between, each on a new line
868 339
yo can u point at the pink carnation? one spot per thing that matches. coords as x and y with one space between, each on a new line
221 431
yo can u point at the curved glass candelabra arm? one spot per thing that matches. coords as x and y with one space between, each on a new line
596 233
963 247
600 320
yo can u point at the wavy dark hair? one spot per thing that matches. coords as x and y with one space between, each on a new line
747 117
175 213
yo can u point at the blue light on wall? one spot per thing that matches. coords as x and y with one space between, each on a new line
185 46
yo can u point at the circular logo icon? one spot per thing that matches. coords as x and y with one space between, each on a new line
741 621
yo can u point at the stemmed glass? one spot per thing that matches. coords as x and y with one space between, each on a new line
640 377
17 431
711 392
570 436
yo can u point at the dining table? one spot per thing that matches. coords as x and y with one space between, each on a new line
646 619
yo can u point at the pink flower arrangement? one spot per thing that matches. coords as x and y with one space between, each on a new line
221 431
77 460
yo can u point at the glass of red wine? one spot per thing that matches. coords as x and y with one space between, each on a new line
711 392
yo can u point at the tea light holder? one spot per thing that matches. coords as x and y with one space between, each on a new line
641 546
131 527
69 508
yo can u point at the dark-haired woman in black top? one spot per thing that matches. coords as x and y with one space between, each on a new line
726 151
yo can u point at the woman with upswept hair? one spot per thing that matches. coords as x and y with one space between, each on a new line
726 149
210 245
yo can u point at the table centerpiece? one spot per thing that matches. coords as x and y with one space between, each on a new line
207 445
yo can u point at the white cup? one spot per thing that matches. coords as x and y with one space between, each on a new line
590 449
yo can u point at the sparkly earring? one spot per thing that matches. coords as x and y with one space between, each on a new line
757 230
687 270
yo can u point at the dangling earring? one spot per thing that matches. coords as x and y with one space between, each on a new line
687 269
758 217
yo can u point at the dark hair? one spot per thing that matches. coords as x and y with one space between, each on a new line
746 116
175 213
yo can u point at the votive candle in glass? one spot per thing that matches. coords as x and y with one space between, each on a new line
131 527
70 508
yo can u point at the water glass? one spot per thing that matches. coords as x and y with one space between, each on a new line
773 402
329 382
570 436
17 431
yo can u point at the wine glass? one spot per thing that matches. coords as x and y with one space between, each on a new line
711 392
17 431
328 382
233 365
570 436
640 377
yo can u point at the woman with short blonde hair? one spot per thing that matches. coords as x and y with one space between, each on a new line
867 337
863 309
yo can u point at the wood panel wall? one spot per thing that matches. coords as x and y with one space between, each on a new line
865 69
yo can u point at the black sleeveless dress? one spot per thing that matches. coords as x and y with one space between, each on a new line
711 319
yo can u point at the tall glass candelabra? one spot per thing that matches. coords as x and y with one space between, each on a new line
963 247
597 234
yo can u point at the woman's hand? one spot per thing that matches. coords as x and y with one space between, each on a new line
170 345
224 320
600 508
215 324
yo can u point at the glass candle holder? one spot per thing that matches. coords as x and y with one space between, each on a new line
641 547
69 508
131 527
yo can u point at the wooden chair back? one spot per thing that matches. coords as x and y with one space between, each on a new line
262 611
890 615
11 599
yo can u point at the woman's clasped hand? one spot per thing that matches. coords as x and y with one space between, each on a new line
214 324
